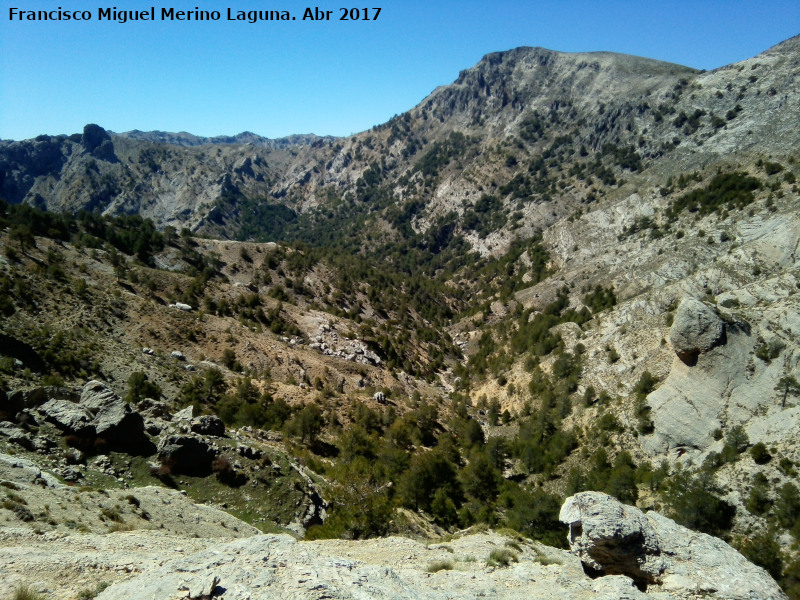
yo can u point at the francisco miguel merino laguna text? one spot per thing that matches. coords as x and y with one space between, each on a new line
170 14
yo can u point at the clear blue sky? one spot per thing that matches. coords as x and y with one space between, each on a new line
328 78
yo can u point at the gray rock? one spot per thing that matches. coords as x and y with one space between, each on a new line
22 470
96 395
694 401
695 329
185 414
208 425
70 473
151 407
114 420
68 416
613 539
202 588
16 435
33 397
186 454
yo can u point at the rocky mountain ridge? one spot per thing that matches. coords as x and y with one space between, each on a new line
183 138
640 114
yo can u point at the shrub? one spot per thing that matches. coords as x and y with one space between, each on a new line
600 299
763 550
140 387
737 438
89 593
694 502
769 352
758 502
501 557
724 191
307 423
112 514
760 454
787 505
534 514
440 565
225 473
24 592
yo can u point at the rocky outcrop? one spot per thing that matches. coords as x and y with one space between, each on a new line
613 539
208 425
695 329
99 414
186 454
114 420
15 435
68 416
14 468
96 141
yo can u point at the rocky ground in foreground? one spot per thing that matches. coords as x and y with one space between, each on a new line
616 552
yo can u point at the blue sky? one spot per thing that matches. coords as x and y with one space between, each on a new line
328 78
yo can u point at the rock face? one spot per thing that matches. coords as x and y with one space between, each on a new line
695 329
613 539
14 468
97 142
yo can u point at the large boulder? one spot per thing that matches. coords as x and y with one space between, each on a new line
208 425
69 417
34 397
186 454
22 470
695 329
15 435
114 420
613 539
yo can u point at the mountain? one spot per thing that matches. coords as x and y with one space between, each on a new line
560 273
246 137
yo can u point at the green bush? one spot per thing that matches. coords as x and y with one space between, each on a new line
534 514
24 592
787 506
726 191
758 501
501 557
760 454
763 550
694 501
440 565
140 387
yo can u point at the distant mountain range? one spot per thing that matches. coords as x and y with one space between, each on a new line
183 138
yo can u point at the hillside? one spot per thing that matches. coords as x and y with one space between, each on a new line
562 272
